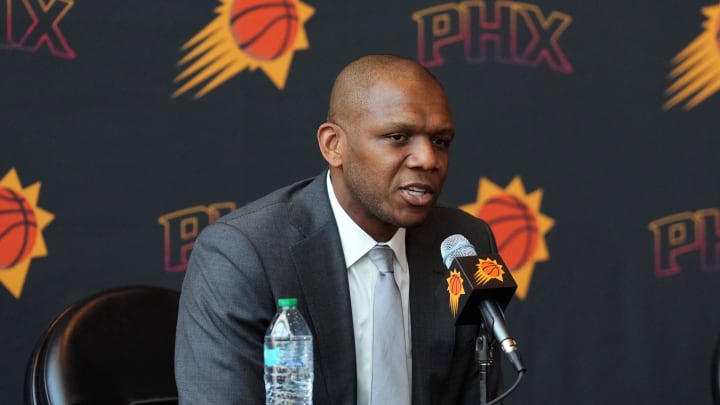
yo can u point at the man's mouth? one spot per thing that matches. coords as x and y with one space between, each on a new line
417 191
417 195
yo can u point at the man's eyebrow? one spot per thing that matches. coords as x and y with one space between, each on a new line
401 126
398 126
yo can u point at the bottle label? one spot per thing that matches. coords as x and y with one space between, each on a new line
272 356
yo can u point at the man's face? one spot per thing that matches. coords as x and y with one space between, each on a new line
395 155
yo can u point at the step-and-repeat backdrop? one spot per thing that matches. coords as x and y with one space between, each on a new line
588 135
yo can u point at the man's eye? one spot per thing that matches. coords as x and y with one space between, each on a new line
442 142
397 137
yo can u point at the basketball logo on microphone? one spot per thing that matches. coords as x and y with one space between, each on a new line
488 269
246 34
21 223
456 289
518 225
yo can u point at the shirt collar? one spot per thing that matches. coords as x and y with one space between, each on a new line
355 241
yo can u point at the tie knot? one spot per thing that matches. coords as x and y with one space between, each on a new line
382 256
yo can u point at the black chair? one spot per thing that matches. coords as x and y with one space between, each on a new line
115 347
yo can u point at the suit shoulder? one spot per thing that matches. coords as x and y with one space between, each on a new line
446 212
262 209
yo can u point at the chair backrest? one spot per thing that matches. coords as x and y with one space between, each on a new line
115 347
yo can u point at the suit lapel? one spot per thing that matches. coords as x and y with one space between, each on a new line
321 270
433 332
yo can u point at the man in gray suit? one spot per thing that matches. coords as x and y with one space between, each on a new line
386 141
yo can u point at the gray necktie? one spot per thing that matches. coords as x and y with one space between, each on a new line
390 381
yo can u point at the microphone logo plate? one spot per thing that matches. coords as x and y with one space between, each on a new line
488 269
456 289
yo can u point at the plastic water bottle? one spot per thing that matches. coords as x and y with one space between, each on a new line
288 357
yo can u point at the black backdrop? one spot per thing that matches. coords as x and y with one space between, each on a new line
619 301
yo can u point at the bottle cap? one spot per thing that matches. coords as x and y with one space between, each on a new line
287 302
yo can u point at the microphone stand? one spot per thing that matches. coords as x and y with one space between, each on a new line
483 356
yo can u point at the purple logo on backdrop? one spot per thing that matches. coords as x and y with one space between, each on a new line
504 31
182 227
27 25
687 233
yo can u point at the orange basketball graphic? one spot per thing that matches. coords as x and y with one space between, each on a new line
455 284
491 268
264 29
488 269
456 289
18 228
515 227
519 227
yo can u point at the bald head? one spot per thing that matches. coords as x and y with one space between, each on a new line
387 142
350 90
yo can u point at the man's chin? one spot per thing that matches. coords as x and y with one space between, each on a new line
413 218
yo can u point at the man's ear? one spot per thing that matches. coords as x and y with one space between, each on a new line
329 141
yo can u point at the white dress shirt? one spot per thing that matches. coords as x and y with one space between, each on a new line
362 275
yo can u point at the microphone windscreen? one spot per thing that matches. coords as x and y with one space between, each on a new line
455 246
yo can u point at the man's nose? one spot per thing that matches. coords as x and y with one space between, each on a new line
423 154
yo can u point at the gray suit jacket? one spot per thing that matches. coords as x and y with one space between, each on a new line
287 245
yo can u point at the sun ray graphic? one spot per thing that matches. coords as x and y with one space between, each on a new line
214 54
13 278
519 227
696 73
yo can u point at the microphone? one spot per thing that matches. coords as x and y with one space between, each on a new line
491 284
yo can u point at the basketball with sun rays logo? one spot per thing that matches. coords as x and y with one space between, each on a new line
264 29
18 228
515 227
